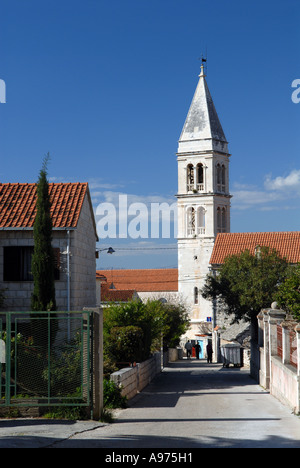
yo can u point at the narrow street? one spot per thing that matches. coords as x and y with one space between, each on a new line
190 405
193 404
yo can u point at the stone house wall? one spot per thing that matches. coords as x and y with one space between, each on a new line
83 261
82 266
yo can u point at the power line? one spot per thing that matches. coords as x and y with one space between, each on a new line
149 248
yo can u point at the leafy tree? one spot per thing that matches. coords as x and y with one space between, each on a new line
148 317
247 283
126 344
135 329
43 297
288 295
177 323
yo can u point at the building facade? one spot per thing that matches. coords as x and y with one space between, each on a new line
203 199
74 240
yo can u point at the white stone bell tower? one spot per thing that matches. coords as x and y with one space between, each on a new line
203 199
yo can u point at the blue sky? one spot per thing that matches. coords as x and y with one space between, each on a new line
105 88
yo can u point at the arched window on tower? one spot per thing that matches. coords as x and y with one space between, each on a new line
191 222
223 188
224 223
201 220
190 182
196 296
221 178
221 220
200 177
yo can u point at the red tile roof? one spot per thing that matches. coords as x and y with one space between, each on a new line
116 295
142 280
18 204
287 244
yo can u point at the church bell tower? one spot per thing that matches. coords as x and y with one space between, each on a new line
203 199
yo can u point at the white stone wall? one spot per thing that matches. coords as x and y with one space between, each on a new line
83 261
273 372
135 379
169 296
194 251
193 261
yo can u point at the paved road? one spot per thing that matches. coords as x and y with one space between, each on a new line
190 405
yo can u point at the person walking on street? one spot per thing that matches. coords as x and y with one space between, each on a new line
209 352
189 348
198 350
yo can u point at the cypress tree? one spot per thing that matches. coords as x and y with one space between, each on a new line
43 297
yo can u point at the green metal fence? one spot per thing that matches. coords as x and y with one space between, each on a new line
45 359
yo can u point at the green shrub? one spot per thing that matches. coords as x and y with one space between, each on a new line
288 295
112 396
126 344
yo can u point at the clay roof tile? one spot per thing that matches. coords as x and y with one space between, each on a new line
149 280
287 244
18 204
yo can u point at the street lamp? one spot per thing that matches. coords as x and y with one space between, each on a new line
109 250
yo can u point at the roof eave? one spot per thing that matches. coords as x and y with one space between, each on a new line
18 228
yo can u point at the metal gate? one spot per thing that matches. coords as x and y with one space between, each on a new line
45 358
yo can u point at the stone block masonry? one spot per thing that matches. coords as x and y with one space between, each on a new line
134 379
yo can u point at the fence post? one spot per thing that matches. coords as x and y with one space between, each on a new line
285 344
297 329
276 317
263 358
98 364
267 349
97 370
8 359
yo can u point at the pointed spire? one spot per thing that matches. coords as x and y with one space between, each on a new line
202 124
